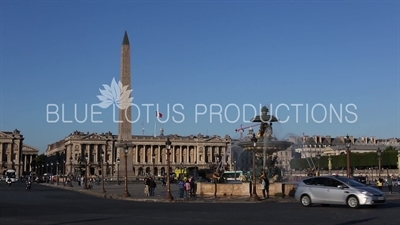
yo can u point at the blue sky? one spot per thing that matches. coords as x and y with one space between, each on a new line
202 52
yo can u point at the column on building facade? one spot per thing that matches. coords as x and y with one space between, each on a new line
68 156
173 155
141 153
10 153
210 154
187 154
136 157
196 154
106 153
181 154
25 161
151 152
96 153
87 151
223 152
158 155
30 162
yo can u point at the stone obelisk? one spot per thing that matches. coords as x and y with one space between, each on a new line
125 115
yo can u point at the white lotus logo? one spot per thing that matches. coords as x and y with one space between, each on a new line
115 94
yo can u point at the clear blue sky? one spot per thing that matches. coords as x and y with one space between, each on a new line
201 52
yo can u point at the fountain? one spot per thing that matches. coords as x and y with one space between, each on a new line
267 145
265 149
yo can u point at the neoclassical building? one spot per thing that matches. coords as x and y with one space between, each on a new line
310 146
147 156
15 154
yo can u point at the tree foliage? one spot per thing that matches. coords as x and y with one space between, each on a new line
389 158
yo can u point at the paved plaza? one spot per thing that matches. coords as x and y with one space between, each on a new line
136 190
46 204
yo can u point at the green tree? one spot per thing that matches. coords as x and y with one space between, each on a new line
39 160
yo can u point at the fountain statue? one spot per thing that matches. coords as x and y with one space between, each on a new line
267 145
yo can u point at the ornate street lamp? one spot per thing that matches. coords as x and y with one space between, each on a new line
348 144
318 157
126 193
329 164
168 196
57 171
102 172
195 170
86 171
234 167
70 170
379 153
118 161
254 192
154 167
22 168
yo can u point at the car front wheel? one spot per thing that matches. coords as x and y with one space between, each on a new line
305 200
352 202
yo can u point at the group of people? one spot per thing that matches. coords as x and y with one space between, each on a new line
149 186
389 182
187 188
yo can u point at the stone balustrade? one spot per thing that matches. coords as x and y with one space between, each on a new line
243 189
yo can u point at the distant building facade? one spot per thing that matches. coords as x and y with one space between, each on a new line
149 155
310 146
15 154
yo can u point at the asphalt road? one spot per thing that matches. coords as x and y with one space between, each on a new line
48 205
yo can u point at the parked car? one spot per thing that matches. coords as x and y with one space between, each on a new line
337 190
361 179
396 182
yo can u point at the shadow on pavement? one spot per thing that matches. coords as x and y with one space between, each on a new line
90 220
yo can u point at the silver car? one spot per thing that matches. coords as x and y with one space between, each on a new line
337 190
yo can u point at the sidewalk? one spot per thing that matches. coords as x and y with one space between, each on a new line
136 191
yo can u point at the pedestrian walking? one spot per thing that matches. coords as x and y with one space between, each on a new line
152 186
187 189
264 185
147 186
181 186
390 184
379 184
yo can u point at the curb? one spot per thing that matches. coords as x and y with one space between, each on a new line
210 200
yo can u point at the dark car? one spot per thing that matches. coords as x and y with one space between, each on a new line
361 179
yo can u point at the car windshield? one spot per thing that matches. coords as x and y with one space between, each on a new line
351 182
10 174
